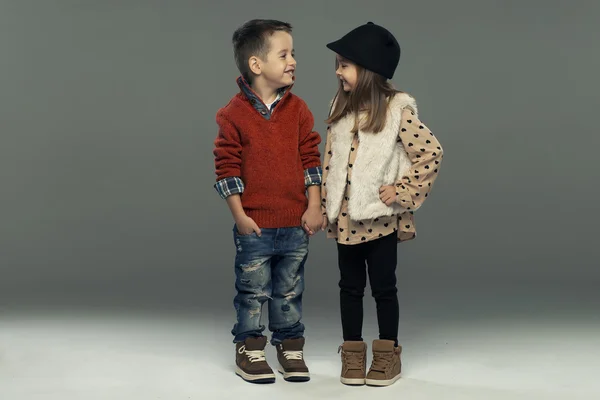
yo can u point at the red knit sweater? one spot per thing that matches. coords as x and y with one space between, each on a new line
269 156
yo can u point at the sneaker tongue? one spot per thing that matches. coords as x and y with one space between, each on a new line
354 346
257 343
293 344
383 346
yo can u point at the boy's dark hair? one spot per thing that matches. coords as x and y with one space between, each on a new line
252 39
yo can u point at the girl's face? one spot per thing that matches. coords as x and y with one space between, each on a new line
347 73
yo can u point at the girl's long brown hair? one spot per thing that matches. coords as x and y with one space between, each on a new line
370 94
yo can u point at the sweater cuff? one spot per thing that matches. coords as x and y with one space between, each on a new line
229 186
313 176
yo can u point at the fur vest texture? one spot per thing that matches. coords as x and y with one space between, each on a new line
381 160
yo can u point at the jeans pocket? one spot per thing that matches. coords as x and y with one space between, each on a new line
238 234
246 235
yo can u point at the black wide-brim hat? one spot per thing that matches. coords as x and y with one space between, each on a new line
372 47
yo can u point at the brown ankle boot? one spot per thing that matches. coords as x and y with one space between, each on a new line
251 364
386 365
290 354
354 360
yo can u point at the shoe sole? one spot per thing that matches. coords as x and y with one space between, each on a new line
294 376
262 378
377 382
352 381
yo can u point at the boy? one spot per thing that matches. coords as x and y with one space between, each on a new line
267 159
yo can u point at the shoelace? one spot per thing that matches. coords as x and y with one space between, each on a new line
253 355
293 355
381 361
353 360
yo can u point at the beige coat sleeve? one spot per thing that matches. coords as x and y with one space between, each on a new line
425 153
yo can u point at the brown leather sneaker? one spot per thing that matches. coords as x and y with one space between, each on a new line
386 365
354 360
251 364
291 360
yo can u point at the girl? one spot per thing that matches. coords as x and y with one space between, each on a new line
379 167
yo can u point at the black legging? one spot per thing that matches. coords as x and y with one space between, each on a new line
380 256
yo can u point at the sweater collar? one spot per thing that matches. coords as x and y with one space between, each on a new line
255 100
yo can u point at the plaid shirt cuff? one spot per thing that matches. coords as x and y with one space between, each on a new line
228 186
313 176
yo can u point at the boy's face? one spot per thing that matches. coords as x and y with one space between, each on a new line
279 66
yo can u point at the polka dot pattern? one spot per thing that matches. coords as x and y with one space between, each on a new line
348 231
425 153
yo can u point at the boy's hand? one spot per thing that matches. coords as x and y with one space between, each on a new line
246 225
312 220
388 195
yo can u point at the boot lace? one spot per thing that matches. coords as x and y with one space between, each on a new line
293 355
253 355
352 359
381 361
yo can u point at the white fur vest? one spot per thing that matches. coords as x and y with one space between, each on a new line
381 160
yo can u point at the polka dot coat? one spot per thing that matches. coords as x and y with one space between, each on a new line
425 153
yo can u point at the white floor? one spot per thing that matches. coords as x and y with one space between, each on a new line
113 357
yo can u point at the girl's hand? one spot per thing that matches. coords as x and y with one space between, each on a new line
325 223
388 195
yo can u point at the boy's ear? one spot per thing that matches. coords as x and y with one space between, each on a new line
254 64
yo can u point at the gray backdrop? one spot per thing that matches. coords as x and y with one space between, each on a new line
107 126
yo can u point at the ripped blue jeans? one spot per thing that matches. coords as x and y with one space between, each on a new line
270 268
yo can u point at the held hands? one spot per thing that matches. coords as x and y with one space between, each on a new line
246 225
312 220
388 195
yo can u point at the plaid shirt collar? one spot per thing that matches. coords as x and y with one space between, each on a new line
255 100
